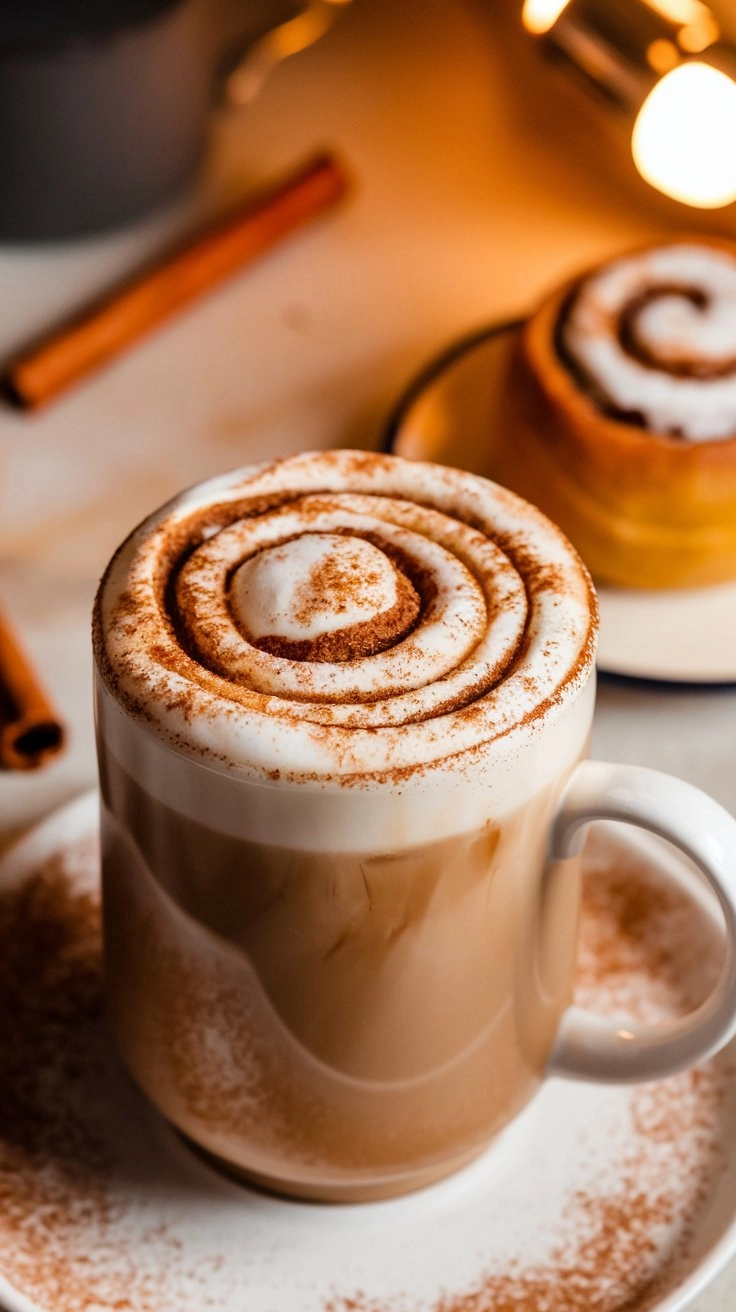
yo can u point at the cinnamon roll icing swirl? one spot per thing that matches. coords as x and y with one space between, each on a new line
340 615
653 337
620 413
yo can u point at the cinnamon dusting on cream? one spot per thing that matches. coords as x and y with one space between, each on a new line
491 628
323 597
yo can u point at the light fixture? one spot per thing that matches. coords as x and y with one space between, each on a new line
665 62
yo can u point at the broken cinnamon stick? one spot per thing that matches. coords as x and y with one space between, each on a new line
30 731
35 377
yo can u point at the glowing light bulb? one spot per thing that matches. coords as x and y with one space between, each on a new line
682 11
684 134
539 16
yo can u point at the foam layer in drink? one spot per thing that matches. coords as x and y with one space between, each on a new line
654 335
346 623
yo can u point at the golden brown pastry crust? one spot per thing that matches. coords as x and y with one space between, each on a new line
644 509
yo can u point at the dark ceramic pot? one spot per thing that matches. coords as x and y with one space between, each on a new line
104 105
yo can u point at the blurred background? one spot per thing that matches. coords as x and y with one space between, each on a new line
488 147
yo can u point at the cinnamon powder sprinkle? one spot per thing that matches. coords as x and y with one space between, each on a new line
355 641
63 1181
83 1229
149 613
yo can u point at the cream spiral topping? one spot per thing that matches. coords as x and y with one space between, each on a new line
653 337
344 614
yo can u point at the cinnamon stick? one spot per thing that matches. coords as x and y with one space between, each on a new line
30 732
126 314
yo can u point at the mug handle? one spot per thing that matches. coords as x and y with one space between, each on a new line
243 83
592 1047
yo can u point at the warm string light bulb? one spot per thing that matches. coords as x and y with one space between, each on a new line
666 62
538 16
683 140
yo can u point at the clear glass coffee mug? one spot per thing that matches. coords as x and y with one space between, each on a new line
343 703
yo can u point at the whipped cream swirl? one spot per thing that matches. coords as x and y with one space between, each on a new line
653 337
344 614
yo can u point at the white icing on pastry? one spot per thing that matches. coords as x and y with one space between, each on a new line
654 335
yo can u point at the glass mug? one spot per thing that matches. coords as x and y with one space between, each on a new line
343 704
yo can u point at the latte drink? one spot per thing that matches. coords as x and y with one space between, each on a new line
338 698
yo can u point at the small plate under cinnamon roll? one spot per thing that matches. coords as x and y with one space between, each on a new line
619 415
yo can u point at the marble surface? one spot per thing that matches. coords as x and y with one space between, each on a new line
477 183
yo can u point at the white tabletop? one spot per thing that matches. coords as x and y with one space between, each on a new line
467 204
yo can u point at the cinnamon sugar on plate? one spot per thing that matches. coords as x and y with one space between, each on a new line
64 1180
598 1200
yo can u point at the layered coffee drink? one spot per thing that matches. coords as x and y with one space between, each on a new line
338 697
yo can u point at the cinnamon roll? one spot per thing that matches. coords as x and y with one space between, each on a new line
620 415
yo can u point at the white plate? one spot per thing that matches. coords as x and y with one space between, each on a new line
597 1197
447 415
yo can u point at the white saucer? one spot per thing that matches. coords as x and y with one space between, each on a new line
597 1197
447 415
